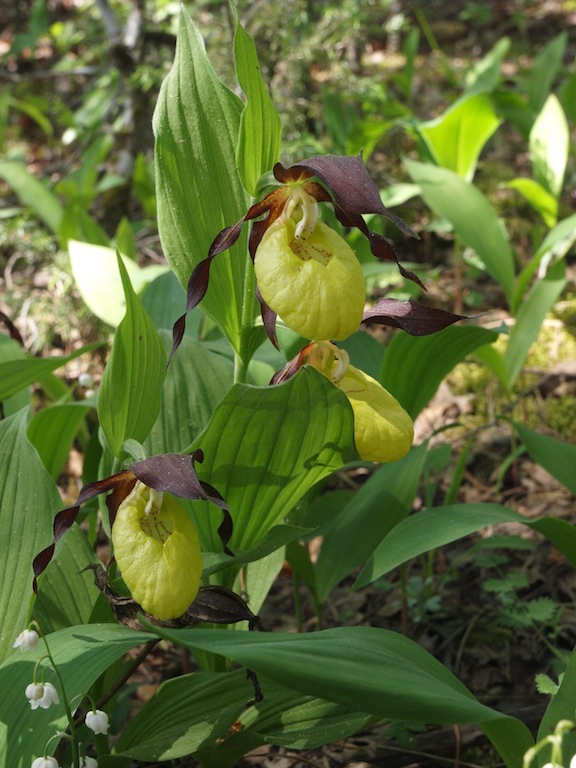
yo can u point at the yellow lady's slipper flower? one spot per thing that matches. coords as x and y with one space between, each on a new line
157 549
383 431
308 274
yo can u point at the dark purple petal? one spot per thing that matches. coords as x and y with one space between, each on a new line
12 330
348 181
175 473
414 318
66 518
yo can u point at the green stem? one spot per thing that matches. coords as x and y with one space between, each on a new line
67 709
243 356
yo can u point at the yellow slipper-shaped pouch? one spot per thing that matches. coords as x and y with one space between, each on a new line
157 549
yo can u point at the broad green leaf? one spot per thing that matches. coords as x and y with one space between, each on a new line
561 707
196 380
18 374
130 394
95 271
196 125
28 498
556 457
11 350
485 75
52 432
529 319
185 714
414 366
457 137
543 71
538 197
340 665
549 144
67 595
82 655
436 527
264 448
260 128
33 193
473 218
384 500
555 246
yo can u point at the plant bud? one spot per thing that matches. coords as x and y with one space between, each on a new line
311 279
157 549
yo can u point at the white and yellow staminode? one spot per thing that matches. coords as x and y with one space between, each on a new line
308 274
157 549
383 431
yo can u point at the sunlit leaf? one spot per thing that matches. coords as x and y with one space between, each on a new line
95 270
549 144
196 124
260 127
264 448
457 137
33 193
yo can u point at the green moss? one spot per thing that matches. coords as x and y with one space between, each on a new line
557 414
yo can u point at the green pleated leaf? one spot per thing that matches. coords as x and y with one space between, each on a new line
555 456
529 318
95 272
52 432
363 668
67 595
196 125
472 217
196 380
296 721
436 527
28 500
265 447
457 137
18 374
82 655
130 394
543 71
184 714
384 500
414 366
260 128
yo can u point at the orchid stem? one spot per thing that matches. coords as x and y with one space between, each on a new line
243 355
